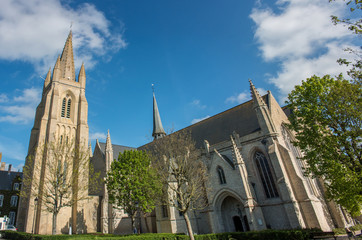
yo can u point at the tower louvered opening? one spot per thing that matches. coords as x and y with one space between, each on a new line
68 107
63 107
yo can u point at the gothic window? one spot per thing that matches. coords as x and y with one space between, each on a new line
63 107
1 200
13 201
265 175
68 107
16 187
221 174
164 211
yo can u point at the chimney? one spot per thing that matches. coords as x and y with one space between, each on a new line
9 168
2 167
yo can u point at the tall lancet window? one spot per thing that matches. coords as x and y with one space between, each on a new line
69 107
221 174
63 107
266 175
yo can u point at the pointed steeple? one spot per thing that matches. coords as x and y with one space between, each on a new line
108 142
81 76
108 152
67 60
47 79
158 131
257 99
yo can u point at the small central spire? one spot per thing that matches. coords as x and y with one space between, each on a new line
67 60
158 131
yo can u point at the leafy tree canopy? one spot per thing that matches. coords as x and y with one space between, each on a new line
132 184
327 121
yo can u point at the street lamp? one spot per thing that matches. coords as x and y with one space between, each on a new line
35 206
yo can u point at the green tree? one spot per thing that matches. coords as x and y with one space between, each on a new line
182 173
327 121
355 25
66 165
132 183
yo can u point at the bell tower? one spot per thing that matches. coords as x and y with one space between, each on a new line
61 114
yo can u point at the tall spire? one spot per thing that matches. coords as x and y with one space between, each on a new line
158 131
67 60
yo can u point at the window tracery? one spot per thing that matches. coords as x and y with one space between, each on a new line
266 175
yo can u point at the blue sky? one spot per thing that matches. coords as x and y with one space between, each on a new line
199 54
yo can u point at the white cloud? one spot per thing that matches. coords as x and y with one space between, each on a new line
199 119
240 98
301 37
3 98
261 91
198 104
97 135
35 31
22 109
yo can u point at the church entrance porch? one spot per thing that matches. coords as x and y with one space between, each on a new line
233 216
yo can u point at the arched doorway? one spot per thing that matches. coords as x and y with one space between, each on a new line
233 215
238 225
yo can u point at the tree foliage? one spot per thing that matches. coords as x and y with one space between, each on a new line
132 184
182 173
327 121
64 165
355 25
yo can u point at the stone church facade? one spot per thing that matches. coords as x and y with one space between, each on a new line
256 178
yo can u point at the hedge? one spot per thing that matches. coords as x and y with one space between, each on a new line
299 234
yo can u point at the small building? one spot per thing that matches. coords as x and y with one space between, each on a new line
10 183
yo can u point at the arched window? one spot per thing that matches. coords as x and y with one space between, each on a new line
266 175
68 107
221 174
63 107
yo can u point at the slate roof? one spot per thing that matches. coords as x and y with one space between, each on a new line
7 178
116 149
242 119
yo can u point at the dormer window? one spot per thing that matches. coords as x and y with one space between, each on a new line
16 187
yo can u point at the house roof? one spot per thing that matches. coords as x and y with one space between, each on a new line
7 178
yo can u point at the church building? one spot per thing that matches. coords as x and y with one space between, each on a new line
255 182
